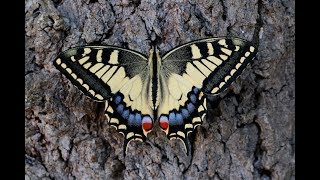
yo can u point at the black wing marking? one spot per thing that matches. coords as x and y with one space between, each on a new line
114 75
208 65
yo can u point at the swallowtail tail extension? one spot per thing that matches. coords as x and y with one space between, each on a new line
171 90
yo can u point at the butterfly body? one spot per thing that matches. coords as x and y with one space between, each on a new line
171 90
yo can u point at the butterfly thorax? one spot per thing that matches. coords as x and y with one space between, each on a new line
154 86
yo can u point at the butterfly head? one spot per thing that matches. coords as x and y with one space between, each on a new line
154 57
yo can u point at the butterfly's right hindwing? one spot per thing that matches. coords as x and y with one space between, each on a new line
114 75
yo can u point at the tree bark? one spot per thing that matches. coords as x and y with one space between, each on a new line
248 134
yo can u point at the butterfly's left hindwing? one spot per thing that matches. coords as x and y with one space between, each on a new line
117 76
192 71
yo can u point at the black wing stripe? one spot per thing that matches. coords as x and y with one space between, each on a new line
229 70
83 79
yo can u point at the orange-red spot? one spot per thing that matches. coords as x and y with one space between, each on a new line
147 126
164 124
200 95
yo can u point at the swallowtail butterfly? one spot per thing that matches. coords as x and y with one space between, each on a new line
170 90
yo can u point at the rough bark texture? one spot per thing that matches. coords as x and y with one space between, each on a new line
249 135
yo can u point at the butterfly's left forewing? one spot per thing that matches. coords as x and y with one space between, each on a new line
117 76
192 71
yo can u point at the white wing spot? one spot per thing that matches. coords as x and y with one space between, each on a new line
122 126
92 92
221 84
138 135
63 65
222 42
242 59
224 57
210 49
107 116
186 126
83 60
232 72
214 90
227 78
114 57
180 133
114 120
86 86
96 67
110 109
99 97
210 65
129 135
227 51
68 70
80 81
203 115
195 52
102 71
237 48
238 65
215 60
99 55
196 120
108 73
74 76
87 65
251 48
202 68
247 54
86 51
58 61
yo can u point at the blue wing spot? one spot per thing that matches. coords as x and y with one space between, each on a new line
131 119
138 117
185 113
172 117
125 114
179 118
195 90
117 99
193 98
120 108
190 107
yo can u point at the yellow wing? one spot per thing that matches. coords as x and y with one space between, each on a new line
192 71
117 76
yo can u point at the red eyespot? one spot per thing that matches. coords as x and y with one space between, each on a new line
146 123
164 122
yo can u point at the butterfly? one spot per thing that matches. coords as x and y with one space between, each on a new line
171 90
